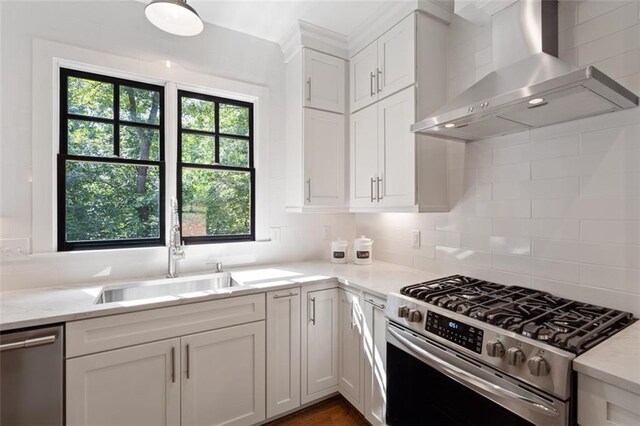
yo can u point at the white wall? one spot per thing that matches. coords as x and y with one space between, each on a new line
120 28
556 208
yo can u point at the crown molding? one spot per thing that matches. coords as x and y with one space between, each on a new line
304 34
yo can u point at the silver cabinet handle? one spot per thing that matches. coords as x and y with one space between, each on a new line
173 364
282 296
378 182
372 183
374 304
308 190
188 363
28 343
372 89
309 88
313 307
379 80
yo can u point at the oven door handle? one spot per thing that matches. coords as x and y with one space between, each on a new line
460 375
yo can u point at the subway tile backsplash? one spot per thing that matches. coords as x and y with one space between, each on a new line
555 208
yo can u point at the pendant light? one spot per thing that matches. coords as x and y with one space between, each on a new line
174 16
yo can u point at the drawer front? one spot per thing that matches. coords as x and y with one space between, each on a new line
105 333
601 404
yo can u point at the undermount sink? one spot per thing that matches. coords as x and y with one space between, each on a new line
168 287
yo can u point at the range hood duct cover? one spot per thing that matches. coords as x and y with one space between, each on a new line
525 48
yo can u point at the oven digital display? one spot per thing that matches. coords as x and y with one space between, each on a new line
455 331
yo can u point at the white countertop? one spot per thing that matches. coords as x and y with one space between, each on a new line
27 308
615 361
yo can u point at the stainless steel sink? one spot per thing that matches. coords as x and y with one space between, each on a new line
170 287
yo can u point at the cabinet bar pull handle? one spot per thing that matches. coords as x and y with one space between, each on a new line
378 182
28 343
372 90
378 80
372 182
282 296
309 88
173 364
313 310
188 363
374 304
308 190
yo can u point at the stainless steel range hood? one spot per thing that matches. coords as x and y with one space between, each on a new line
530 86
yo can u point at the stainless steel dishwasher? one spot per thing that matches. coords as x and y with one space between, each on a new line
32 377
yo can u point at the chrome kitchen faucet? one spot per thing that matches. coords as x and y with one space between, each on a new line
176 249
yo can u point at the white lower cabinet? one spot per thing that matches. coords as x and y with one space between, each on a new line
375 371
223 380
600 403
283 351
319 343
349 365
137 385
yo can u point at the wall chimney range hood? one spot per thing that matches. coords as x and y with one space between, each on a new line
530 86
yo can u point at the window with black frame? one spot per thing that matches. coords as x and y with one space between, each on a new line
216 174
111 162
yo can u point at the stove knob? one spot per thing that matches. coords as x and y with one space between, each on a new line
495 348
515 356
403 312
538 366
414 316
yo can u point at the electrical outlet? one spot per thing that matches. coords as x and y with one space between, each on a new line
326 232
415 238
275 234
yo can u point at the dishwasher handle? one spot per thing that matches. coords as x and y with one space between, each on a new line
28 343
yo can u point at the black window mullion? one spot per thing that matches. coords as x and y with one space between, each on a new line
116 117
217 139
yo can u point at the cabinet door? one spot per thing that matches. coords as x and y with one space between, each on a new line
362 72
324 77
375 371
364 156
396 145
350 347
223 376
283 351
138 385
321 342
397 58
324 157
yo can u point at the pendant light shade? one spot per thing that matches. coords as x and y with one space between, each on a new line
174 16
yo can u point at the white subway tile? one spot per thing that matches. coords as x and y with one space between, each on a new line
626 117
618 279
436 266
590 9
609 46
625 64
463 224
503 208
475 241
541 188
587 208
506 140
606 24
546 268
611 139
460 255
620 255
612 185
510 245
564 146
555 130
586 165
504 173
537 228
444 238
483 191
567 14
611 231
495 276
631 82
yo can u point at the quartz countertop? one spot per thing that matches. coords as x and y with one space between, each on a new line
615 361
28 308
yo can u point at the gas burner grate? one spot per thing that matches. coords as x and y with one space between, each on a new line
564 323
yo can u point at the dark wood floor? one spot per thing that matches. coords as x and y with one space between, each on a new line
334 411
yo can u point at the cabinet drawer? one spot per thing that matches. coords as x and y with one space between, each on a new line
600 403
101 334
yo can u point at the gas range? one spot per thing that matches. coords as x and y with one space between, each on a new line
528 334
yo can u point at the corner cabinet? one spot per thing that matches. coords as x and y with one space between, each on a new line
396 80
316 133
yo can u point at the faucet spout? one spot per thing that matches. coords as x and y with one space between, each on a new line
176 249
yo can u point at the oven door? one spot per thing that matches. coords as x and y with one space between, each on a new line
428 384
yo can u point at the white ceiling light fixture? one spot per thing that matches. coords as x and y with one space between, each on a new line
175 17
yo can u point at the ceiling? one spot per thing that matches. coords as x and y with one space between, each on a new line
272 19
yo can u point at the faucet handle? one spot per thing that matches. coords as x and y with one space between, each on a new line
218 265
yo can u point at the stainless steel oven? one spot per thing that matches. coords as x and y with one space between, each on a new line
429 383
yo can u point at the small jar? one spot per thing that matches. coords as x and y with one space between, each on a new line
362 254
339 251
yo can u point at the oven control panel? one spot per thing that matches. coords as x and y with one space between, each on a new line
455 331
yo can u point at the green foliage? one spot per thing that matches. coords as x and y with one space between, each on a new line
90 98
198 114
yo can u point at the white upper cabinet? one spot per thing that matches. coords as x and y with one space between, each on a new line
364 156
324 158
324 80
385 66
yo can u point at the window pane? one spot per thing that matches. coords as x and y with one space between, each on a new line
139 105
139 143
90 138
198 114
90 97
234 120
111 201
216 202
234 152
198 149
